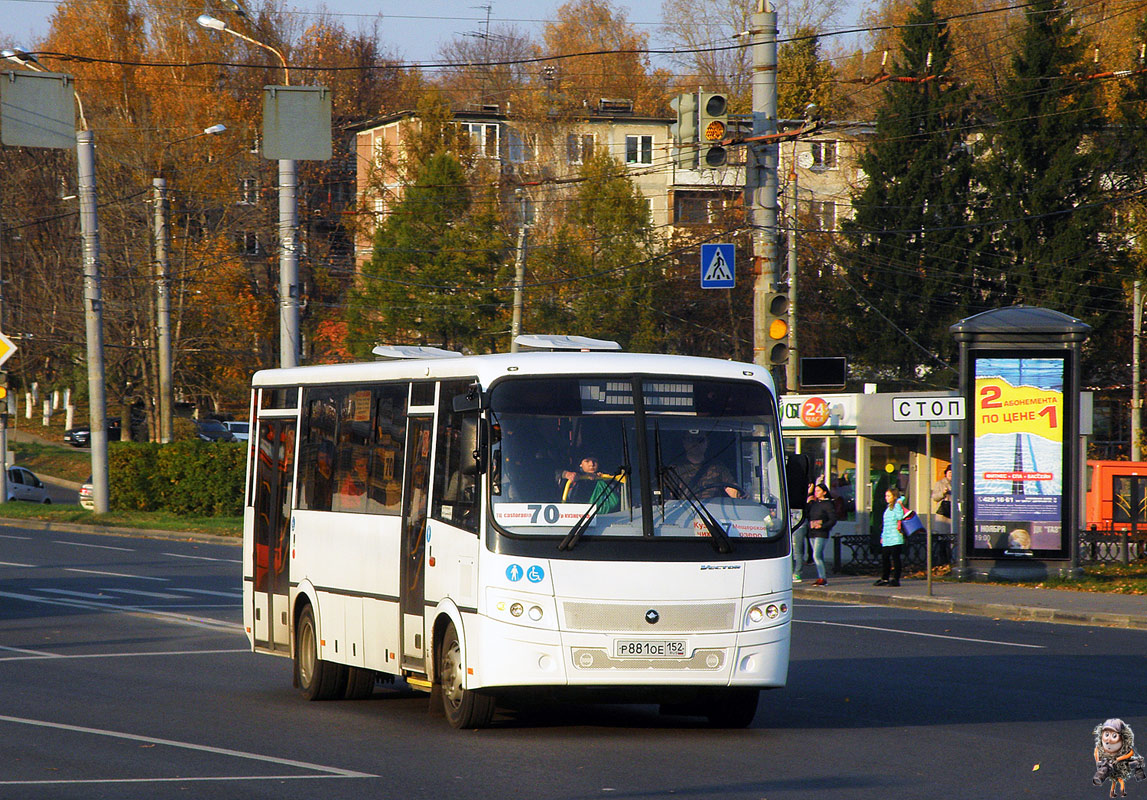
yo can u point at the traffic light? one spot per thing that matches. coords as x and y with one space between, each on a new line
685 130
777 328
713 125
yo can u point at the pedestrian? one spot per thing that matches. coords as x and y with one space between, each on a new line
799 533
891 538
821 518
942 497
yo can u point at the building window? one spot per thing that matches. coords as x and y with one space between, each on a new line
520 146
638 149
823 154
579 147
378 155
250 243
483 138
823 214
249 191
697 208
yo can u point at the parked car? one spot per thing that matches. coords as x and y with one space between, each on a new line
212 430
86 499
24 485
240 430
81 435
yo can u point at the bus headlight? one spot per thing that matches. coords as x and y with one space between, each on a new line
765 612
516 610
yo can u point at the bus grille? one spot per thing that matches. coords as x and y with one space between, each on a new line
596 658
675 617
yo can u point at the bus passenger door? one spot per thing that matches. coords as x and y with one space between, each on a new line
274 475
415 498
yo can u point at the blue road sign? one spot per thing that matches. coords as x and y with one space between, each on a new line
717 266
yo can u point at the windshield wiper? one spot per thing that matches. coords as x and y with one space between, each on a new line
582 523
719 535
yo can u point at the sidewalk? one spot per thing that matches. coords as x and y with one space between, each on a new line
986 599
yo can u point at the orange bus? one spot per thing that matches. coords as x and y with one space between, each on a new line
1116 494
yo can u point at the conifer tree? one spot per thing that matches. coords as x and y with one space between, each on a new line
439 259
904 254
1044 217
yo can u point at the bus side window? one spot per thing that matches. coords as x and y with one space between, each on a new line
456 472
316 473
388 446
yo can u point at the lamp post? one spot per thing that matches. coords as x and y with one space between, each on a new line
164 361
289 343
93 302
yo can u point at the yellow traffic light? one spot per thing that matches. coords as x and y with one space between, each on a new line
777 328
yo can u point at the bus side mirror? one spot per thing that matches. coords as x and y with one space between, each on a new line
797 480
473 400
473 444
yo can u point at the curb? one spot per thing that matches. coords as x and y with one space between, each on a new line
147 533
947 605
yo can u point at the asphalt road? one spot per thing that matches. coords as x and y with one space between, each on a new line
125 675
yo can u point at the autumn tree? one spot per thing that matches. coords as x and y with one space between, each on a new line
709 50
602 56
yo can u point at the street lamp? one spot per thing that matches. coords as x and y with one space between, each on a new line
289 340
93 303
163 292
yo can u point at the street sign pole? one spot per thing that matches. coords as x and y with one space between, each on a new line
927 410
928 534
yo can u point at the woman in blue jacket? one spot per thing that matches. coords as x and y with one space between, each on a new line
891 538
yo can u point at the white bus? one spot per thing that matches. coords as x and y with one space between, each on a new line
439 519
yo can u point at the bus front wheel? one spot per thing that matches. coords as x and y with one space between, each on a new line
464 708
319 680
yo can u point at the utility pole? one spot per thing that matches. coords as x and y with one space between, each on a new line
163 312
519 280
1136 402
761 173
791 377
3 390
289 341
93 318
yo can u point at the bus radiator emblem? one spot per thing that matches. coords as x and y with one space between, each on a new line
651 616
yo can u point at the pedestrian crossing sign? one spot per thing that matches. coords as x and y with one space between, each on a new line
717 266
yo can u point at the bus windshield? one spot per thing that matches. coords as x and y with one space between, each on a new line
616 457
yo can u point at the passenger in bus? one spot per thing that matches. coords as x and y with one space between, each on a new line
352 487
589 486
707 478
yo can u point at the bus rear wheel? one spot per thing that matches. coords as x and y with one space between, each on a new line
319 680
464 708
732 708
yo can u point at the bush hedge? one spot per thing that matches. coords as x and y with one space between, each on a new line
196 478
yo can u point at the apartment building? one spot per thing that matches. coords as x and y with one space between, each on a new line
534 163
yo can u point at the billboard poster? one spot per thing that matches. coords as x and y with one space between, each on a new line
1019 455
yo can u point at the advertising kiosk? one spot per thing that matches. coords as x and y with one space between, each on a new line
1019 484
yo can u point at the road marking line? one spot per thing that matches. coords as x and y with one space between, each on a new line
116 574
9 536
232 595
917 633
42 656
203 748
14 564
141 593
205 558
97 546
89 605
33 653
70 593
184 780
